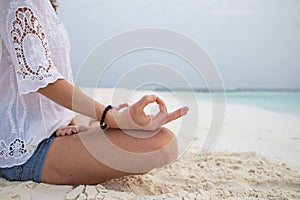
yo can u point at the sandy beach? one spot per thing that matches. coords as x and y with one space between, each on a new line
256 157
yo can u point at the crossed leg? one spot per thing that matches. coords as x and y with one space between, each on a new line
73 159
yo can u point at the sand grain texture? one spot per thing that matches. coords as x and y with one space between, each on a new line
216 175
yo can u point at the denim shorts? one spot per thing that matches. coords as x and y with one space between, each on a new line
32 169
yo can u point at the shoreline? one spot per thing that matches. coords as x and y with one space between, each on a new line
280 112
206 90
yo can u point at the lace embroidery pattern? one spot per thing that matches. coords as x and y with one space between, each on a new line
16 148
12 101
24 115
34 61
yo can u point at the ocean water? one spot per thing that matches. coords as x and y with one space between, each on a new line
277 101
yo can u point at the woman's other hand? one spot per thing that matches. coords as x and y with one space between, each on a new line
66 130
78 124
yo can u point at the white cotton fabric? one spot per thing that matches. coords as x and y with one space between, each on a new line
35 52
0 47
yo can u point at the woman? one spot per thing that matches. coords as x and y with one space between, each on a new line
38 97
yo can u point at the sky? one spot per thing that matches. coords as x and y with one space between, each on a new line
253 43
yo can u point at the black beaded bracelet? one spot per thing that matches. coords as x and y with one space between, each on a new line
102 124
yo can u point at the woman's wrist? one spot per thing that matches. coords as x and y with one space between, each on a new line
109 119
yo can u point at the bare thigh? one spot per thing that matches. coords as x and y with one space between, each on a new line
90 159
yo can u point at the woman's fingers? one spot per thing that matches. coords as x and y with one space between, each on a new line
160 118
176 114
137 114
162 105
68 130
135 117
121 106
60 133
145 100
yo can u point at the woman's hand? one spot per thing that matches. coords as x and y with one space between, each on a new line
66 130
78 124
134 118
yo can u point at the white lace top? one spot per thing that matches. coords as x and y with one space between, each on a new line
35 52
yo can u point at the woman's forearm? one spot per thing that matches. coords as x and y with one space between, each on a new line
71 97
132 117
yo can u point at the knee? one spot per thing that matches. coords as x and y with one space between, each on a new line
166 146
165 137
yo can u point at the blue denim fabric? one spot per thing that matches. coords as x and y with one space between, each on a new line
32 169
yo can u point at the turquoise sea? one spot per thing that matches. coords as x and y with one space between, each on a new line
278 101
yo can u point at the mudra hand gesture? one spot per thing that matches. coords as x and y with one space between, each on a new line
133 117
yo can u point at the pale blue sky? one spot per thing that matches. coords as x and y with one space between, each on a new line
254 43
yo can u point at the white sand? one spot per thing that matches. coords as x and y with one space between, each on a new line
236 169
